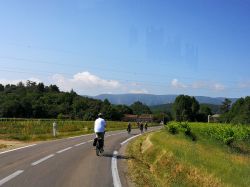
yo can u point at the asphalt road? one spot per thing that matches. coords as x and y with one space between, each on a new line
65 162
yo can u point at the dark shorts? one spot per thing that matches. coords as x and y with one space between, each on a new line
100 135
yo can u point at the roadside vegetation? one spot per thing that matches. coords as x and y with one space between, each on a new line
192 154
28 130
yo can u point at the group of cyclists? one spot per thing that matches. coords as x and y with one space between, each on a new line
140 126
100 126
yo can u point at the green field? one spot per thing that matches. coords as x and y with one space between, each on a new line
29 130
193 154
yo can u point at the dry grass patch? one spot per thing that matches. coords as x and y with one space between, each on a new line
146 144
10 144
2 146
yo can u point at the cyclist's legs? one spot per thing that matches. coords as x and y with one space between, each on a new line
100 135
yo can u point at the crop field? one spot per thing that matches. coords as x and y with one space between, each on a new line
234 136
41 129
192 154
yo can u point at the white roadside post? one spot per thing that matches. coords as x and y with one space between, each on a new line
54 128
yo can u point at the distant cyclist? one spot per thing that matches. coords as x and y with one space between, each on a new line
100 125
141 127
129 128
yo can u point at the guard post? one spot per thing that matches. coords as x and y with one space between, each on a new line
54 128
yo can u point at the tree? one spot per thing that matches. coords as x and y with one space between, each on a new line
204 109
186 108
54 88
1 88
139 108
226 104
239 113
203 113
123 109
40 87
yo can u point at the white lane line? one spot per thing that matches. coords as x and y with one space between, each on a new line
18 148
63 150
41 160
90 141
130 139
8 178
115 174
80 144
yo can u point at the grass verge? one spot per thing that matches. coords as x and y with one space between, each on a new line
165 159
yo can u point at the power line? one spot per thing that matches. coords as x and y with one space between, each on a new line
167 75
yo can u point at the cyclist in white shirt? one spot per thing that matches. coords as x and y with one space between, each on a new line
100 125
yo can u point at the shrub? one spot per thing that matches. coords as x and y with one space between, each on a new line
189 133
229 140
173 129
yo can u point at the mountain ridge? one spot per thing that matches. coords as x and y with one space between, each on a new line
151 99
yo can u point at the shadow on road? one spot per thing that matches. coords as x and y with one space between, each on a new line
122 157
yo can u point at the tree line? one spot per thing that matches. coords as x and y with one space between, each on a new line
186 108
35 100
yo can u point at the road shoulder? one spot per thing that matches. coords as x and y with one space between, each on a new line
123 167
6 145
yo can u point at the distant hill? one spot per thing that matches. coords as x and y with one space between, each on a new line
151 100
168 108
161 108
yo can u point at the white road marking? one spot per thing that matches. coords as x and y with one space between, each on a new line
115 174
61 151
130 139
90 141
41 160
80 144
8 178
17 148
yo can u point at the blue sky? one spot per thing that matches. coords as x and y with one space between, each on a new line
195 47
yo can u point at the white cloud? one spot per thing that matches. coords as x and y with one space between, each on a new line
198 85
142 91
86 82
218 87
244 84
177 84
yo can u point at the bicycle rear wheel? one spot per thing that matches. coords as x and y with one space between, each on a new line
97 149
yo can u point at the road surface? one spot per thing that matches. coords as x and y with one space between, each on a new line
65 162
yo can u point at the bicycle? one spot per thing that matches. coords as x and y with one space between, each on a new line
129 130
99 146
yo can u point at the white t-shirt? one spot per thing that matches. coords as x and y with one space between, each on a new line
100 125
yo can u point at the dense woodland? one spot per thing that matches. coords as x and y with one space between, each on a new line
32 100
